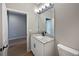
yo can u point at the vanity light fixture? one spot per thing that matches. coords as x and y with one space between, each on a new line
43 8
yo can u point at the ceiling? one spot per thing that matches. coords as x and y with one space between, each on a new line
38 4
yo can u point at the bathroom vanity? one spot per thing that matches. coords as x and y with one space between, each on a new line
42 45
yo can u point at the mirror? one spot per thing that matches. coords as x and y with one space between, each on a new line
45 22
49 27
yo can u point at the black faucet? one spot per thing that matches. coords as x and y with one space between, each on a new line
43 33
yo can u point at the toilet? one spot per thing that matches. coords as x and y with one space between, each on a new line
67 51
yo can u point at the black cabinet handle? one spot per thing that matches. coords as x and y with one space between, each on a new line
1 49
34 45
5 47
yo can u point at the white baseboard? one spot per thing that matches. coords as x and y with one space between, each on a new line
17 37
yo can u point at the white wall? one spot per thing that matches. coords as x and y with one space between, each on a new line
4 28
16 25
28 8
0 25
67 24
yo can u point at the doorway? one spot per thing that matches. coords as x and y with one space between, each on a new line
17 33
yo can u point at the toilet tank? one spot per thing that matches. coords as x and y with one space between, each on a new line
66 51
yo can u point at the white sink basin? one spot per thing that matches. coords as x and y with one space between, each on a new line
43 39
39 37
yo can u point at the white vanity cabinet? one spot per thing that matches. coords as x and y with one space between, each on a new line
33 45
41 47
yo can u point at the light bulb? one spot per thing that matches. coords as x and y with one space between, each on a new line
36 10
47 4
40 9
43 7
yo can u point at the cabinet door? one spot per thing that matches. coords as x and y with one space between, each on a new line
39 48
49 49
33 45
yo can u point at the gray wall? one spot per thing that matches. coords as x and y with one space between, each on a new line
17 25
67 24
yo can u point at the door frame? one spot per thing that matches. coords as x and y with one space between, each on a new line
21 12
